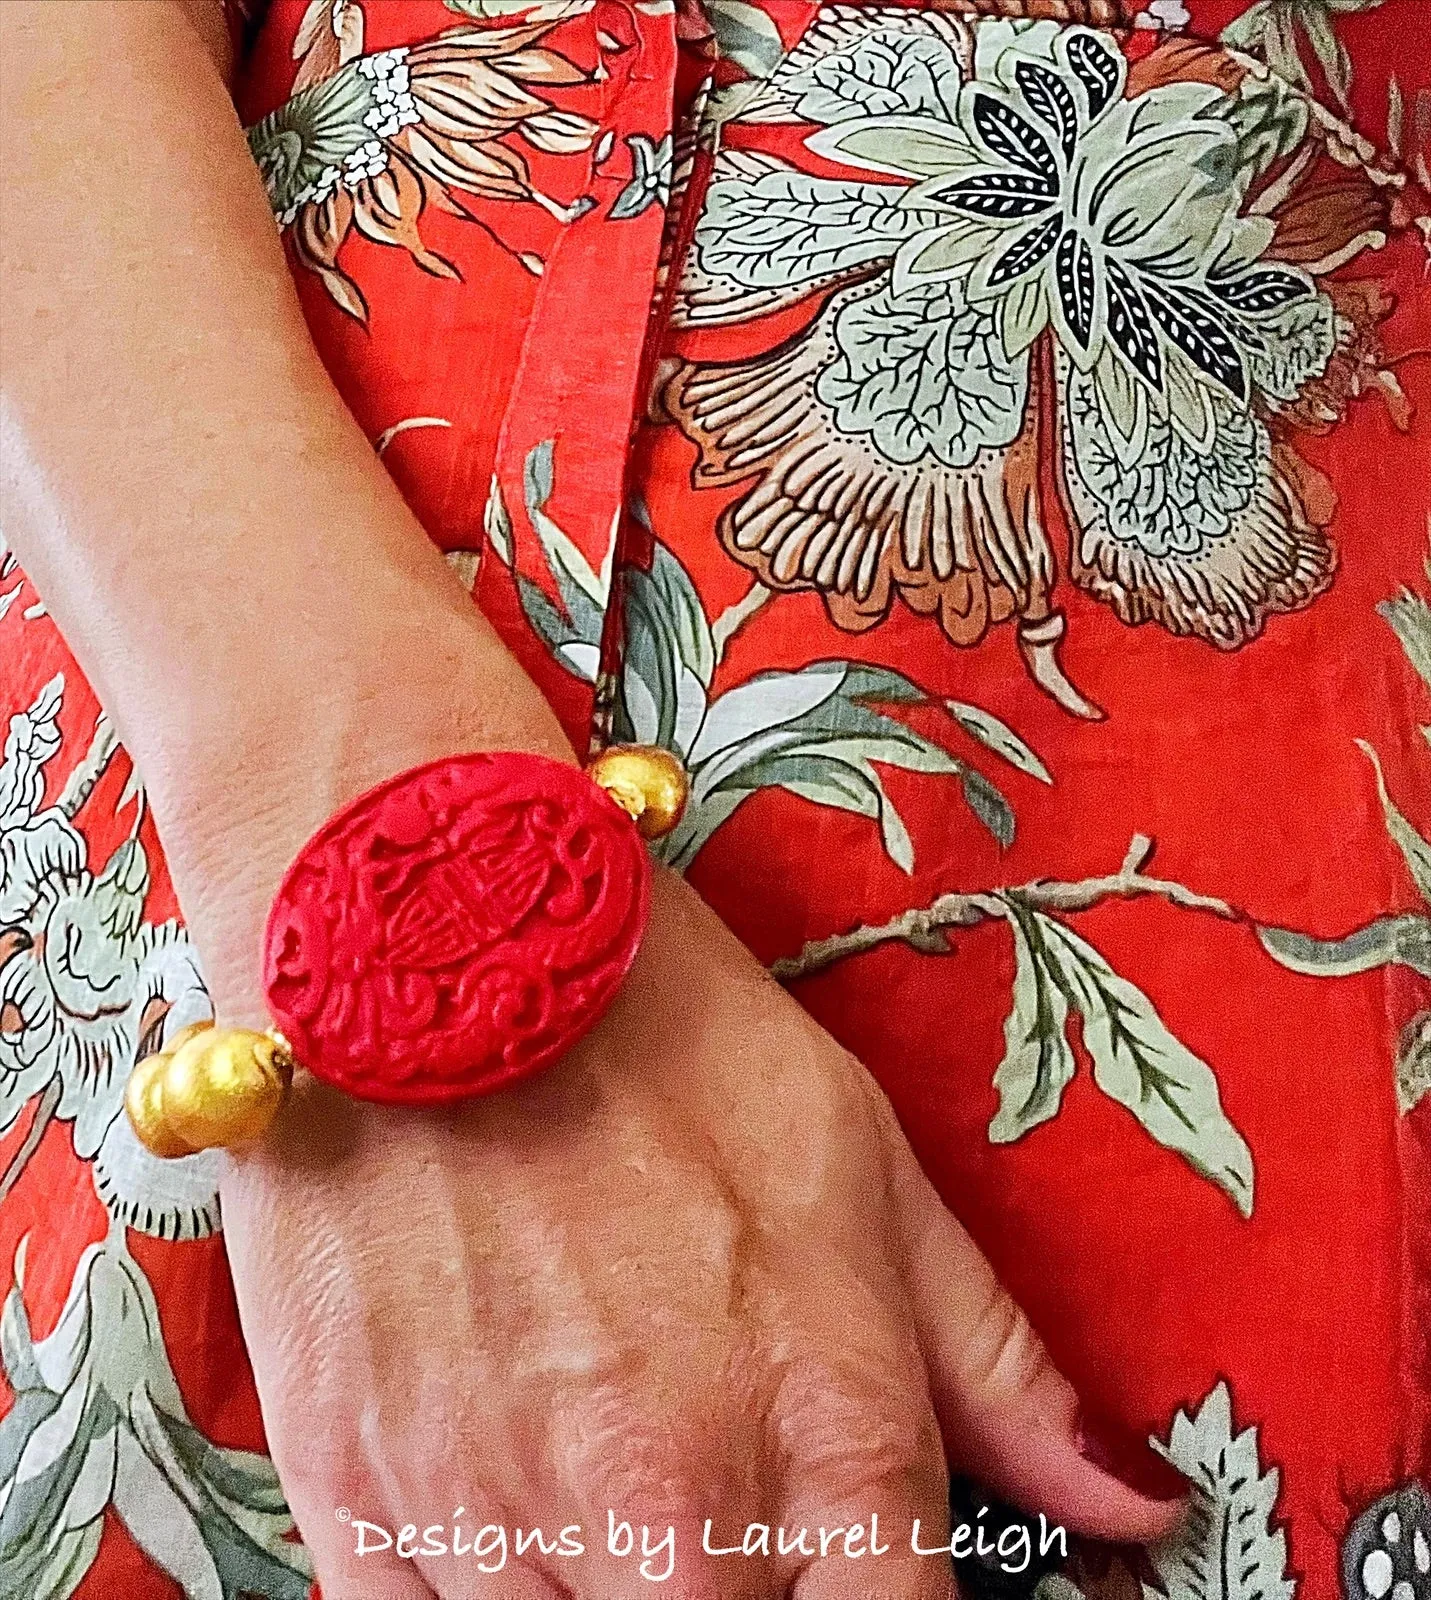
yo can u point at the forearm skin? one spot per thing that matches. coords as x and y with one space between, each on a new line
229 562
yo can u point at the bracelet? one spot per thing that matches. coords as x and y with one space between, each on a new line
450 931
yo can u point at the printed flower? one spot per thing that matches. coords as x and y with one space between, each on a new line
1116 221
380 137
1020 253
87 986
98 1428
650 185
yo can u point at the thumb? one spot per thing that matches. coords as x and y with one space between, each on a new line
1009 1417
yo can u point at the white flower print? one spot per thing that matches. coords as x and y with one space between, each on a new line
87 985
98 1426
1017 251
1057 202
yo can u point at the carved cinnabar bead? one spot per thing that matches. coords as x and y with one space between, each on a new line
456 928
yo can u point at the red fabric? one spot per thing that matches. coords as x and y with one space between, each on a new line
548 394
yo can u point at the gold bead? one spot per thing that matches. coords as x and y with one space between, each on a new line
648 783
144 1101
212 1088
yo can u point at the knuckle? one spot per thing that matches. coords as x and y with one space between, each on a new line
708 1229
321 1479
829 1126
616 1448
846 1427
1003 1357
857 1097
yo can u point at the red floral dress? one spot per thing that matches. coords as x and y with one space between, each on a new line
987 442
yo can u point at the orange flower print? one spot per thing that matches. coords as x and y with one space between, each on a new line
368 142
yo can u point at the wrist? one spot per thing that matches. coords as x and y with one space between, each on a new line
452 931
237 788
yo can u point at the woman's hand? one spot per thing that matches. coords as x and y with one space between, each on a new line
691 1272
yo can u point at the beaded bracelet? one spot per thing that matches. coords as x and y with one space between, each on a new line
447 933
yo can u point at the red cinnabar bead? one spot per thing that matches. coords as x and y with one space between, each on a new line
455 928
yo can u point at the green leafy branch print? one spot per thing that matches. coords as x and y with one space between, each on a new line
98 1428
1405 939
821 732
1137 1061
1141 1065
1277 32
1409 616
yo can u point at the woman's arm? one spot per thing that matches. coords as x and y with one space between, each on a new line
692 1271
235 571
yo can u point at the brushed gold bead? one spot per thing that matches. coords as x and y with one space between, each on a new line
192 1031
215 1088
648 783
223 1088
144 1102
